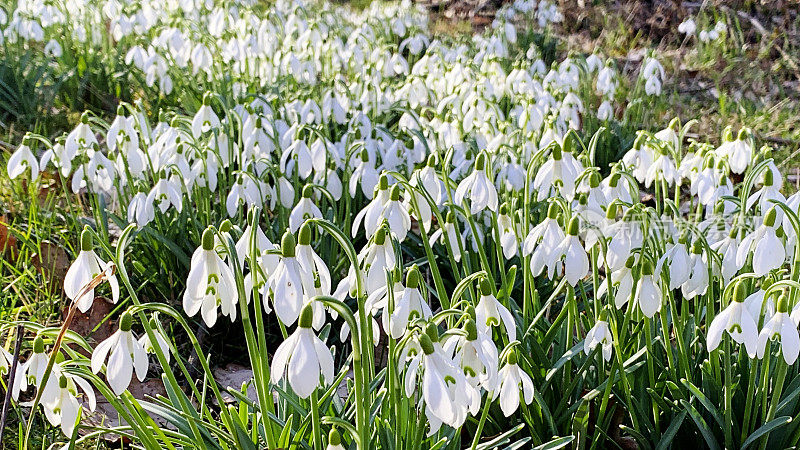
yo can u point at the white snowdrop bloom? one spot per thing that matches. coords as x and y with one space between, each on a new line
305 209
311 265
601 335
648 293
740 153
60 401
622 278
126 355
303 358
53 49
698 280
727 249
766 248
365 174
543 239
286 282
371 215
31 372
576 262
687 27
22 159
210 284
558 173
377 257
780 326
263 245
140 209
409 305
477 356
444 386
205 119
297 156
83 270
491 313
678 262
625 236
166 193
605 111
478 188
663 168
738 322
513 382
653 74
448 235
161 342
770 190
419 207
396 214
508 236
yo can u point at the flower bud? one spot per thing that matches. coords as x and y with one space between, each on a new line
307 317
769 219
38 344
553 210
225 226
412 279
334 438
426 344
308 190
85 117
574 224
304 237
288 244
739 293
208 239
486 287
125 322
647 268
512 357
394 195
383 182
86 239
480 161
472 330
783 304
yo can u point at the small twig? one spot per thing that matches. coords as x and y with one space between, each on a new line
10 386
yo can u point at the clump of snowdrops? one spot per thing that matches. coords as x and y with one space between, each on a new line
448 262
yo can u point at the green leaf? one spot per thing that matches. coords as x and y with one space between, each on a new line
711 441
555 443
669 434
766 429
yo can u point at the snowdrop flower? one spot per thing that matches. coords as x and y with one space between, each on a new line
678 263
32 371
543 239
623 279
161 341
491 313
396 215
697 283
508 236
576 263
140 210
377 257
205 119
78 139
444 386
286 282
767 250
605 111
166 193
740 152
305 209
83 270
687 27
600 334
447 235
513 380
21 160
60 401
371 215
663 168
648 293
303 358
477 355
478 188
559 173
366 174
653 74
210 284
780 326
409 305
126 353
311 265
737 321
